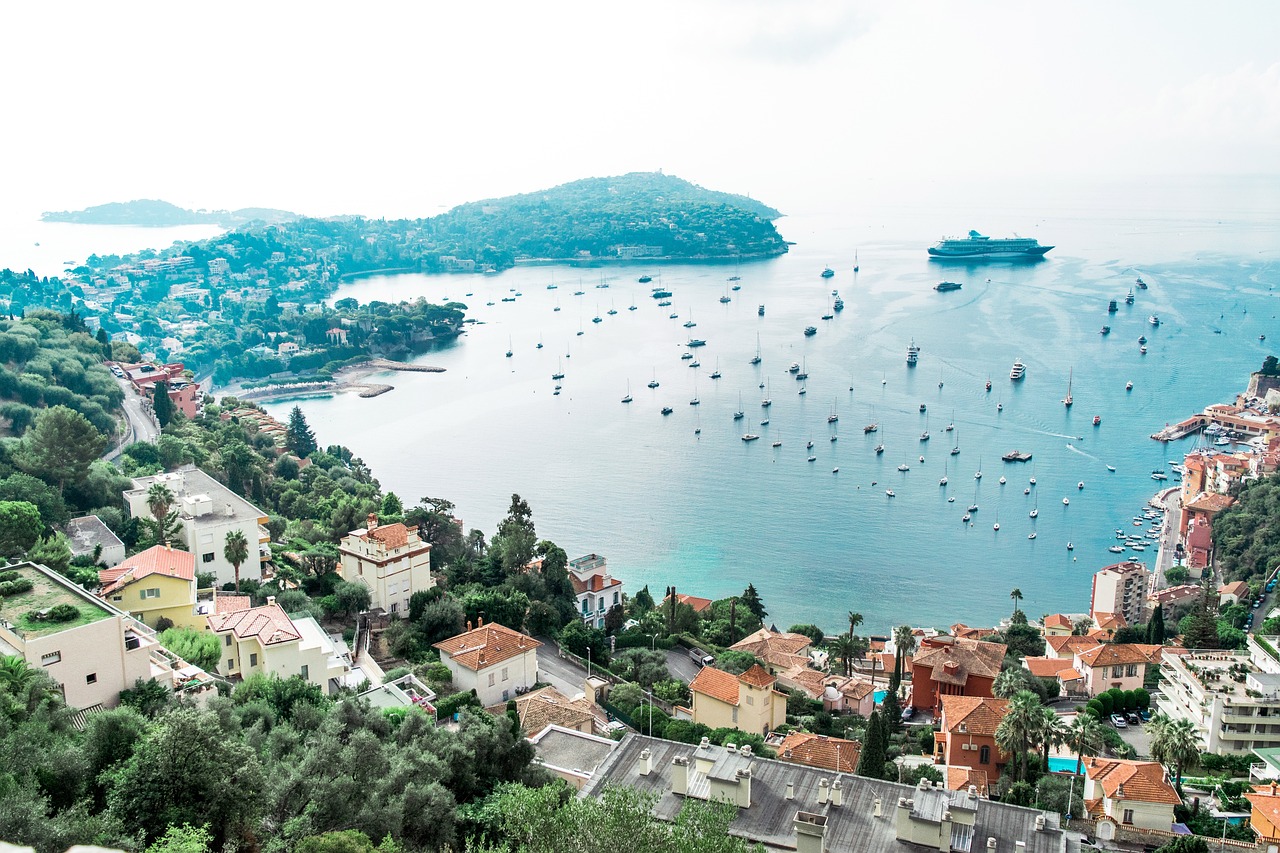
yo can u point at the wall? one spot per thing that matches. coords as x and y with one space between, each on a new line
176 602
522 672
98 649
713 713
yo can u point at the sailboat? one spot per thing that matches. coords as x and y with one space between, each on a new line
766 402
978 474
716 374
757 359
833 417
855 260
726 299
539 342
559 374
689 324
880 447
612 310
627 399
955 451
739 415
597 318
1035 510
695 401
924 436
509 347
653 383
943 481
951 426
1066 401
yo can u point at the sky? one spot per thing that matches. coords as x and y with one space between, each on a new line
392 109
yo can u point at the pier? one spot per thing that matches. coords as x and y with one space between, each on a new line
1195 423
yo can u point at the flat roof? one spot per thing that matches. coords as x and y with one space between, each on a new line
48 589
190 482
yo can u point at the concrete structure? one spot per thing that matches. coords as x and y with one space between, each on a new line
96 654
493 660
1132 793
572 755
1230 717
404 692
594 589
266 640
966 736
88 534
390 559
1120 589
952 666
208 511
792 807
748 701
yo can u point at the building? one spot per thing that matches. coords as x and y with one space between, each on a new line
1056 625
1122 665
699 605
1264 813
96 653
839 694
390 559
572 755
403 692
1231 717
1067 646
208 511
1062 670
826 753
778 651
267 640
748 701
157 583
1131 793
966 736
547 706
90 537
1235 592
493 660
951 666
1120 589
595 590
788 806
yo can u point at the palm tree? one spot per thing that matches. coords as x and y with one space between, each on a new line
1085 737
1174 743
905 639
160 501
844 648
236 551
1051 732
16 674
1017 732
1016 595
855 619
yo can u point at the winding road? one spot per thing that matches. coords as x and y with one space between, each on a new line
140 423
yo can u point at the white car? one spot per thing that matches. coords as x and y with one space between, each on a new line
1118 721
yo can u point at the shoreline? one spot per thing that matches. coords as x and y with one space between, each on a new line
350 378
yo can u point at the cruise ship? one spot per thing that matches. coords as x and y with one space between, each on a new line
980 246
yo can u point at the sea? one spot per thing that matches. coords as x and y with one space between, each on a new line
681 500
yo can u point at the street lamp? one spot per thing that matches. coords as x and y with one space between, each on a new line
650 693
654 645
588 661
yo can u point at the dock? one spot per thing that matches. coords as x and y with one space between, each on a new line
1195 423
1016 456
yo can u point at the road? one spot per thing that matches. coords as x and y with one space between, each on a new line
140 424
562 673
1172 503
680 665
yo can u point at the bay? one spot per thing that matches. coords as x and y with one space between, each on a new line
709 513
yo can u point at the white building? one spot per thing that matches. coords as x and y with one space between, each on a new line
266 640
1120 589
390 559
595 590
208 511
88 533
1131 793
1231 717
493 660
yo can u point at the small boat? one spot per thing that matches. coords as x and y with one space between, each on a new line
1128 386
688 324
1142 284
999 407
988 384
943 480
1142 339
1112 307
810 331
766 402
855 261
1097 420
1027 490
889 492
760 311
838 305
1116 549
612 311
879 449
1034 512
913 352
965 517
666 410
923 407
1128 300
778 443
828 272
659 293
750 436
575 293
645 279
812 459
904 467
871 427
1070 547
835 470
809 446
1080 485
1031 535
1067 401
1142 350
947 286
627 399
1066 501
1001 481
688 356
653 383
696 342
1017 372
1159 475
834 438
803 390
1153 320
757 358
666 303
1105 330
1111 468
736 287
764 422
695 401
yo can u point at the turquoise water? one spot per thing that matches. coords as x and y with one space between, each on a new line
710 513
1058 764
879 695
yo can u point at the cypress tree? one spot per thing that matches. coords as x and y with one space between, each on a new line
161 404
875 751
1155 628
891 707
298 436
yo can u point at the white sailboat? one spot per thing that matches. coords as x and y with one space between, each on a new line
1067 401
943 481
627 399
757 359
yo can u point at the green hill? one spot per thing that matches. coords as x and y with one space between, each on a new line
156 213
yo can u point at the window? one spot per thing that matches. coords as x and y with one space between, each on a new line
586 608
207 558
91 678
962 728
735 715
504 673
615 598
50 657
751 700
305 672
228 639
984 755
1128 816
231 664
1131 670
395 606
154 592
491 679
117 598
253 659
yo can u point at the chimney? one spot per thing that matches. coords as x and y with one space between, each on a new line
680 775
731 747
646 762
1019 845
480 658
1120 791
823 786
271 599
877 807
1039 823
479 621
705 743
811 832
944 833
837 793
743 797
1273 787
791 790
371 522
746 750
991 842
468 624
230 511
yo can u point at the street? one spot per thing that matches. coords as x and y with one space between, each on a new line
1172 501
563 674
140 425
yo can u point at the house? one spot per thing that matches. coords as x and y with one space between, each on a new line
1107 625
748 701
208 511
572 755
1233 593
1264 814
1131 793
778 651
390 559
1122 665
96 653
157 583
595 591
839 694
1066 647
826 753
403 692
1120 589
267 640
493 660
965 632
90 537
547 706
1062 670
787 806
966 735
699 605
952 666
1056 625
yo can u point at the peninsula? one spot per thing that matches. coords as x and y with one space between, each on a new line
154 213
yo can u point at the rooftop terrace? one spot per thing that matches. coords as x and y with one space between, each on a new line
47 591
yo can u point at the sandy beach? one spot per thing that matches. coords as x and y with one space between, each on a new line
351 378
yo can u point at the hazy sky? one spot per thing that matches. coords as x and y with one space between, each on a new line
399 109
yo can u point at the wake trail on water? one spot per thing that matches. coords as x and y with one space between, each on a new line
1075 449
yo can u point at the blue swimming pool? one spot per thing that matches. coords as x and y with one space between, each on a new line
1060 764
879 695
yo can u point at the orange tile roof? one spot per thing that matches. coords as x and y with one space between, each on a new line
775 648
548 706
964 632
231 603
698 604
717 684
1239 589
1132 780
269 623
1046 667
157 560
391 535
1069 675
757 676
1112 654
1070 643
1265 801
971 657
979 714
1108 621
828 753
1210 502
593 583
1057 620
960 778
485 646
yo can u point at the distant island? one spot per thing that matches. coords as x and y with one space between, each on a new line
154 213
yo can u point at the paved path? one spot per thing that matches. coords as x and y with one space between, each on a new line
680 665
1172 502
140 423
562 673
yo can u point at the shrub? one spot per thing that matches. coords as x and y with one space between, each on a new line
17 587
450 705
63 613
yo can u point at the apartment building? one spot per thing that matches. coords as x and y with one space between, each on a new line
1231 696
390 559
1120 589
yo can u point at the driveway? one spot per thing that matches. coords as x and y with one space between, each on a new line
680 665
1137 737
140 424
562 673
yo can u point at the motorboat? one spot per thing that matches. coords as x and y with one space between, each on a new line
1066 501
751 436
1016 373
889 492
666 410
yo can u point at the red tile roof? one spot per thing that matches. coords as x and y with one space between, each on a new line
487 645
978 714
757 676
1112 654
391 535
1239 589
829 753
775 648
1131 780
717 684
960 778
698 604
1070 643
953 659
593 583
1046 667
269 623
157 560
231 603
1057 620
1265 801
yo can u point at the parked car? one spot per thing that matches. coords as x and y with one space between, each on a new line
1118 721
1132 718
907 713
1145 715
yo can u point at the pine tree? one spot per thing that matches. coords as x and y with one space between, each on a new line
891 708
1155 627
751 600
298 436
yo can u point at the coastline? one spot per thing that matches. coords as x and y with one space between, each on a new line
350 378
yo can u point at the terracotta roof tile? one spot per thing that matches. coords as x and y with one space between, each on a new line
158 560
231 603
960 778
1132 780
1108 621
829 753
549 706
1046 667
1070 644
391 535
698 604
485 646
717 684
1239 589
970 657
757 676
1112 654
978 714
269 623
1265 802
1057 620
593 583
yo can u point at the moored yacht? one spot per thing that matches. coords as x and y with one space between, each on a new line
1018 371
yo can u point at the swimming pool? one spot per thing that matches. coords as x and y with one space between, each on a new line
879 695
1061 764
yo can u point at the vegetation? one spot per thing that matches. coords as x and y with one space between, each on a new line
152 212
1246 535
